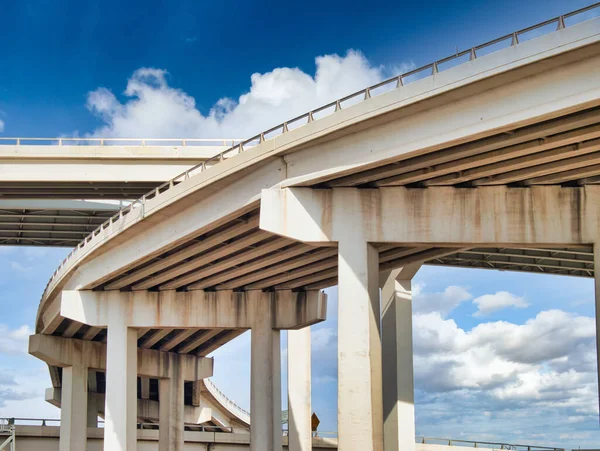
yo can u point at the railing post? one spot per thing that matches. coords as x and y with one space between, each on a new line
515 39
561 23
400 82
18 141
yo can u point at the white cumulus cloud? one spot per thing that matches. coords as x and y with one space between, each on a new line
14 341
154 109
489 303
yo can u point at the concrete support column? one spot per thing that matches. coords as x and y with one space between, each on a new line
92 410
299 390
265 376
145 387
171 408
120 428
597 304
397 365
360 411
73 426
92 401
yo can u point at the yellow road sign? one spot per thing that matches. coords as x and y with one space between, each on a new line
314 422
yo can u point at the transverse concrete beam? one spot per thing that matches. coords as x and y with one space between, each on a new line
195 309
64 352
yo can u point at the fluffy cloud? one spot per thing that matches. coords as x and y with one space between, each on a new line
442 303
155 109
14 341
490 303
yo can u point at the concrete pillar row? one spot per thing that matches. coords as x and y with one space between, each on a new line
299 390
265 375
397 365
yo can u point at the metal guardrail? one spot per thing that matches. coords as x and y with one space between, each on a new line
120 141
478 444
397 82
8 424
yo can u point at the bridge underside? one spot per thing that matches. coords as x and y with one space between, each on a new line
240 256
47 222
76 190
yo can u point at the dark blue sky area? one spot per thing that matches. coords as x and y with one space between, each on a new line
55 51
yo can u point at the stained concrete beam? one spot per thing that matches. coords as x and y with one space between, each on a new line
195 309
64 352
540 215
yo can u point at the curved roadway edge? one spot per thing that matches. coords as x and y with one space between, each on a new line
241 415
285 159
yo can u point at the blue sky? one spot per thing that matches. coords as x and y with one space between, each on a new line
485 365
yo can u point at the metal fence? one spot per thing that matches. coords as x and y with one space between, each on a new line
120 142
479 444
334 107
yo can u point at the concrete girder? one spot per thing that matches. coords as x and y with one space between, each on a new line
233 276
183 254
251 253
198 341
526 139
195 309
289 265
65 352
512 158
551 215
198 262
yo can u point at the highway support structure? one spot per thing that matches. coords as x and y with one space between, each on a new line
122 313
375 388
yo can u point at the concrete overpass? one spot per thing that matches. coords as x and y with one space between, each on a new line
47 185
485 159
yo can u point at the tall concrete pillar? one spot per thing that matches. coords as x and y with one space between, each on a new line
265 376
360 411
597 304
73 425
398 382
299 390
171 413
120 427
